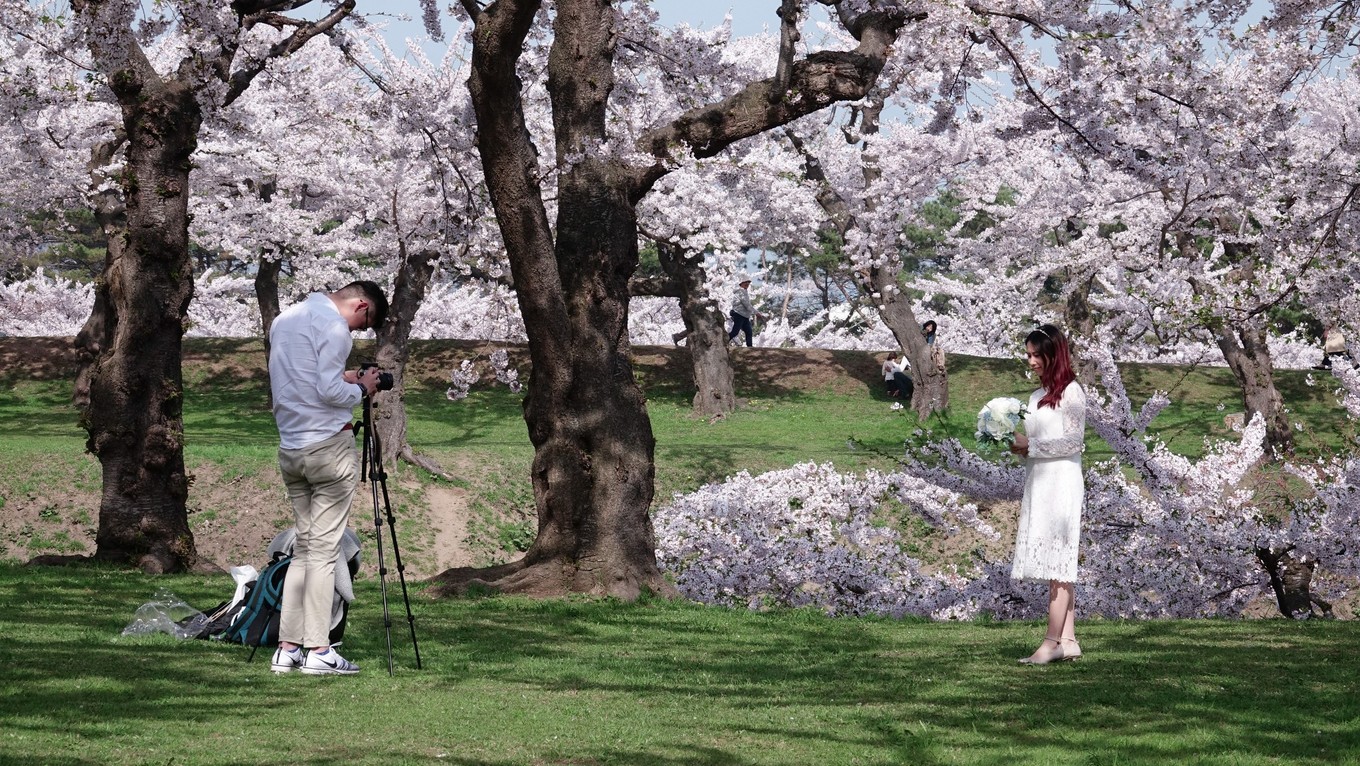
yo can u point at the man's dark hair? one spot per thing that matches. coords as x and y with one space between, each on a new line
371 292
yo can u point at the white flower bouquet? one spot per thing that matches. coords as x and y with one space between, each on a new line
998 420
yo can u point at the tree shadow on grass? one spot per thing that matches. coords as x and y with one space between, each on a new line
666 375
1143 693
878 690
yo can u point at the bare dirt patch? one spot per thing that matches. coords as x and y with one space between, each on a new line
449 516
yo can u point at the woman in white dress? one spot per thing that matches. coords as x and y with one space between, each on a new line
1050 511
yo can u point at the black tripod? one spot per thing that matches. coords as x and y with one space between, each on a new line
373 468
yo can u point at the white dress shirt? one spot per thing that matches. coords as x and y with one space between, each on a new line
309 346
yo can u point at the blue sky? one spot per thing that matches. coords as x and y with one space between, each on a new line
747 17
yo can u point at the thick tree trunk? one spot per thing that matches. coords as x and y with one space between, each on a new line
267 296
130 388
1291 579
593 461
715 391
394 341
593 468
706 335
1244 347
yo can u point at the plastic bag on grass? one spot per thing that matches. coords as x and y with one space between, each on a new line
166 613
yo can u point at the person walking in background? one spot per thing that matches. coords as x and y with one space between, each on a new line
742 312
1050 509
1333 347
314 399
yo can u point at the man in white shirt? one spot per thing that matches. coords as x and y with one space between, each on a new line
314 399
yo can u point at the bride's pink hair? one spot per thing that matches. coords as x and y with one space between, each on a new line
1051 344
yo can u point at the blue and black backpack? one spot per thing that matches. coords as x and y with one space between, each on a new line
256 623
253 620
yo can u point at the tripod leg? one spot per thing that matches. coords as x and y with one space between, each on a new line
401 571
382 578
377 477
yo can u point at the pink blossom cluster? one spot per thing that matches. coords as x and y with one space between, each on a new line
44 306
805 536
223 307
1176 538
469 373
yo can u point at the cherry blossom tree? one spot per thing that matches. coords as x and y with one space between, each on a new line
702 219
42 305
378 180
593 465
164 74
1192 158
870 209
49 119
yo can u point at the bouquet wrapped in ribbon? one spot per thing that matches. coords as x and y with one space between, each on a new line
998 420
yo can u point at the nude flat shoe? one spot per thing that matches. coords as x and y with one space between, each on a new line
1044 655
1071 649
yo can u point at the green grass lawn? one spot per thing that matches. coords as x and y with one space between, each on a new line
514 681
227 419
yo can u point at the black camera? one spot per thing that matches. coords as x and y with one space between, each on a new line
385 381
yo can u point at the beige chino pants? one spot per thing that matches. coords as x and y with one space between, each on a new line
321 479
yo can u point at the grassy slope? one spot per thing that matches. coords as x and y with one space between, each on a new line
799 406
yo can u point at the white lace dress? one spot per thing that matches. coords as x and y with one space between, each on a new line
1050 512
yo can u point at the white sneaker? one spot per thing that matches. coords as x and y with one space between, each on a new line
284 661
330 663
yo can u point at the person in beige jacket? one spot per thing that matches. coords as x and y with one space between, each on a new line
1333 347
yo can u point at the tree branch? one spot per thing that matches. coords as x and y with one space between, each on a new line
788 38
241 79
661 287
245 8
1023 18
816 82
1029 88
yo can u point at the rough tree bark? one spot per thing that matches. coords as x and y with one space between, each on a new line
705 333
592 471
267 276
1291 580
394 342
1244 348
706 338
267 296
593 466
129 387
1241 337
